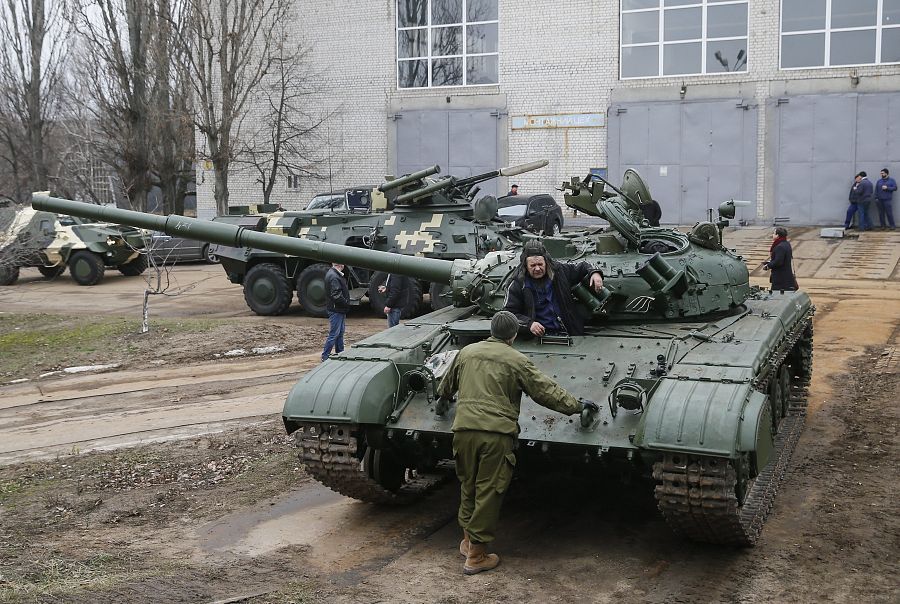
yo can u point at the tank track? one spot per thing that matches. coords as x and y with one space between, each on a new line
330 454
697 495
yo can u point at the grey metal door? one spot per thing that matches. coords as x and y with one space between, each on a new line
462 142
821 142
693 155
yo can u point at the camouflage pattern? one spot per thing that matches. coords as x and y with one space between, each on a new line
53 243
439 223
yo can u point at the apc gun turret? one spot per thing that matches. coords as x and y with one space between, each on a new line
704 377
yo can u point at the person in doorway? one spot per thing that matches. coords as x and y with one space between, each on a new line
396 290
861 195
489 378
338 305
780 262
884 198
540 294
513 190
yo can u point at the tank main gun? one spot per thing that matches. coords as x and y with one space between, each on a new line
416 187
656 273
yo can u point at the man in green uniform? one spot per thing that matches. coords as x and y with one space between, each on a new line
489 377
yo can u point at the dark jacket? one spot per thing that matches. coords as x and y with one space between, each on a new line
338 292
652 212
862 191
885 194
782 275
397 292
520 299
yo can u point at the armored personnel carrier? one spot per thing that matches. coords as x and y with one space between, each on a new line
418 214
702 378
51 243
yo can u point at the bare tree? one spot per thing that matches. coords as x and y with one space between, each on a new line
112 64
233 42
32 37
286 140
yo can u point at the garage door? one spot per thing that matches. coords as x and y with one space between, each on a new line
461 142
693 155
821 142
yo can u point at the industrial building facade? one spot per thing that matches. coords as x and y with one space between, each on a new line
779 102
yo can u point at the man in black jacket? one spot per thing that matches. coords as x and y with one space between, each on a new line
652 212
396 290
337 306
540 294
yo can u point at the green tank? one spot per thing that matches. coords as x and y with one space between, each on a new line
51 243
702 379
419 214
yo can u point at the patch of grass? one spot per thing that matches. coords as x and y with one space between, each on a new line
35 343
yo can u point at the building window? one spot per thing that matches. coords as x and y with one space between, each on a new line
832 33
447 43
682 37
293 181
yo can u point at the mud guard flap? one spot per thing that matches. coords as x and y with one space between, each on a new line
699 416
345 391
756 431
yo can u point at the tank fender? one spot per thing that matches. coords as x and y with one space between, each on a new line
756 430
347 390
704 417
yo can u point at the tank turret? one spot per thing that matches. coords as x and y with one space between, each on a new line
703 377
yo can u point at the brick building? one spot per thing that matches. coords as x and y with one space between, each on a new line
778 102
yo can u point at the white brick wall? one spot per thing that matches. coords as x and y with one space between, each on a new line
555 57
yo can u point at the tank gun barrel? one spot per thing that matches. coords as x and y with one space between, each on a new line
507 171
445 183
409 178
428 269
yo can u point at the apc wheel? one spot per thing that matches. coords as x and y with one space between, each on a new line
52 272
312 291
439 294
9 275
86 268
207 256
267 290
135 267
377 299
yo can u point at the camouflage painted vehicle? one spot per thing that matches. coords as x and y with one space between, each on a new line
418 214
50 243
702 378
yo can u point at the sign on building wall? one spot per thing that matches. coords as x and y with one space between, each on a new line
559 120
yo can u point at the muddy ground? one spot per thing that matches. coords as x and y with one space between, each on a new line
200 510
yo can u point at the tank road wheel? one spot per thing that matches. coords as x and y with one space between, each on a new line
86 268
52 272
267 290
334 455
440 296
135 267
311 290
377 299
9 274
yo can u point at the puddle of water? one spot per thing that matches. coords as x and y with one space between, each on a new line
298 518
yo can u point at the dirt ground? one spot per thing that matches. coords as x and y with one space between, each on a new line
173 480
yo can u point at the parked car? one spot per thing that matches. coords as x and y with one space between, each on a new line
537 213
354 199
168 249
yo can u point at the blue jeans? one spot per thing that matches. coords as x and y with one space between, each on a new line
335 334
394 316
861 210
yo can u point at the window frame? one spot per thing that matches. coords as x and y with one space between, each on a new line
703 39
879 27
429 58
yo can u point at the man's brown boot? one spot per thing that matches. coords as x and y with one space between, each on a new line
478 561
464 545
